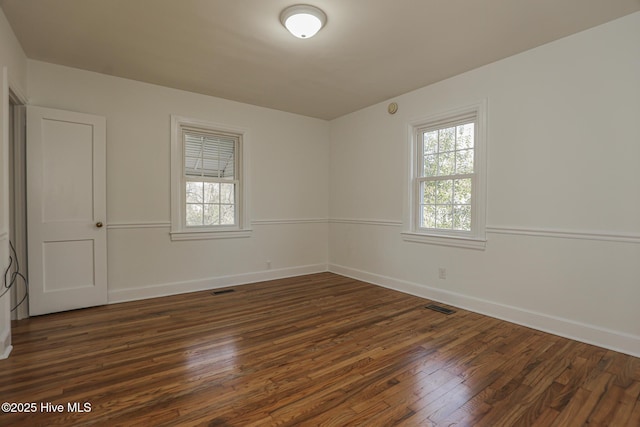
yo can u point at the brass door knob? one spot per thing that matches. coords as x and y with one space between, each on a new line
99 224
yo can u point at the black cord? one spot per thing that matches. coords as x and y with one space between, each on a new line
13 278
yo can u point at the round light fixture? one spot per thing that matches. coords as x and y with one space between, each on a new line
303 20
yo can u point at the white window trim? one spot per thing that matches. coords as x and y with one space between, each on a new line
178 230
476 239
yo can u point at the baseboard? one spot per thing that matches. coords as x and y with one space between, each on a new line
166 289
590 334
5 343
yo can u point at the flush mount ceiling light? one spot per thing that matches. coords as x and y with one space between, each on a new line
303 20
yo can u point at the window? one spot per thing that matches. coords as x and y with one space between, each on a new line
207 180
445 176
447 179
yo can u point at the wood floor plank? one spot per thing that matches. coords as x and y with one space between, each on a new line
320 349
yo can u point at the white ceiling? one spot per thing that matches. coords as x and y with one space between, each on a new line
369 51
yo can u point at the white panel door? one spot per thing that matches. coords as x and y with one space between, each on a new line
66 210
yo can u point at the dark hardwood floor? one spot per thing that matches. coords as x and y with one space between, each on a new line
313 350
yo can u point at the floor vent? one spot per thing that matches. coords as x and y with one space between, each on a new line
440 309
224 291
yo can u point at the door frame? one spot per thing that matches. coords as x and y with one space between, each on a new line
18 199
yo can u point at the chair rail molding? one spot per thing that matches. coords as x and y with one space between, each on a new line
608 236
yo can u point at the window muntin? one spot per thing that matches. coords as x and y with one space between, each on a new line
210 184
445 181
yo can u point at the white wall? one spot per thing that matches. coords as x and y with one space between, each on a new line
563 205
288 182
13 73
12 56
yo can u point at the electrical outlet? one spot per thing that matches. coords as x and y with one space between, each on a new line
442 273
268 265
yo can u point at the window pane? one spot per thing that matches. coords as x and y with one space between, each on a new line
194 192
194 215
464 161
191 166
462 191
227 215
227 193
211 192
429 192
462 217
211 214
444 217
465 135
192 154
446 164
430 165
447 139
428 216
430 140
444 192
210 168
209 155
192 146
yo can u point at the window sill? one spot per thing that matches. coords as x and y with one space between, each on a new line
210 235
454 241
